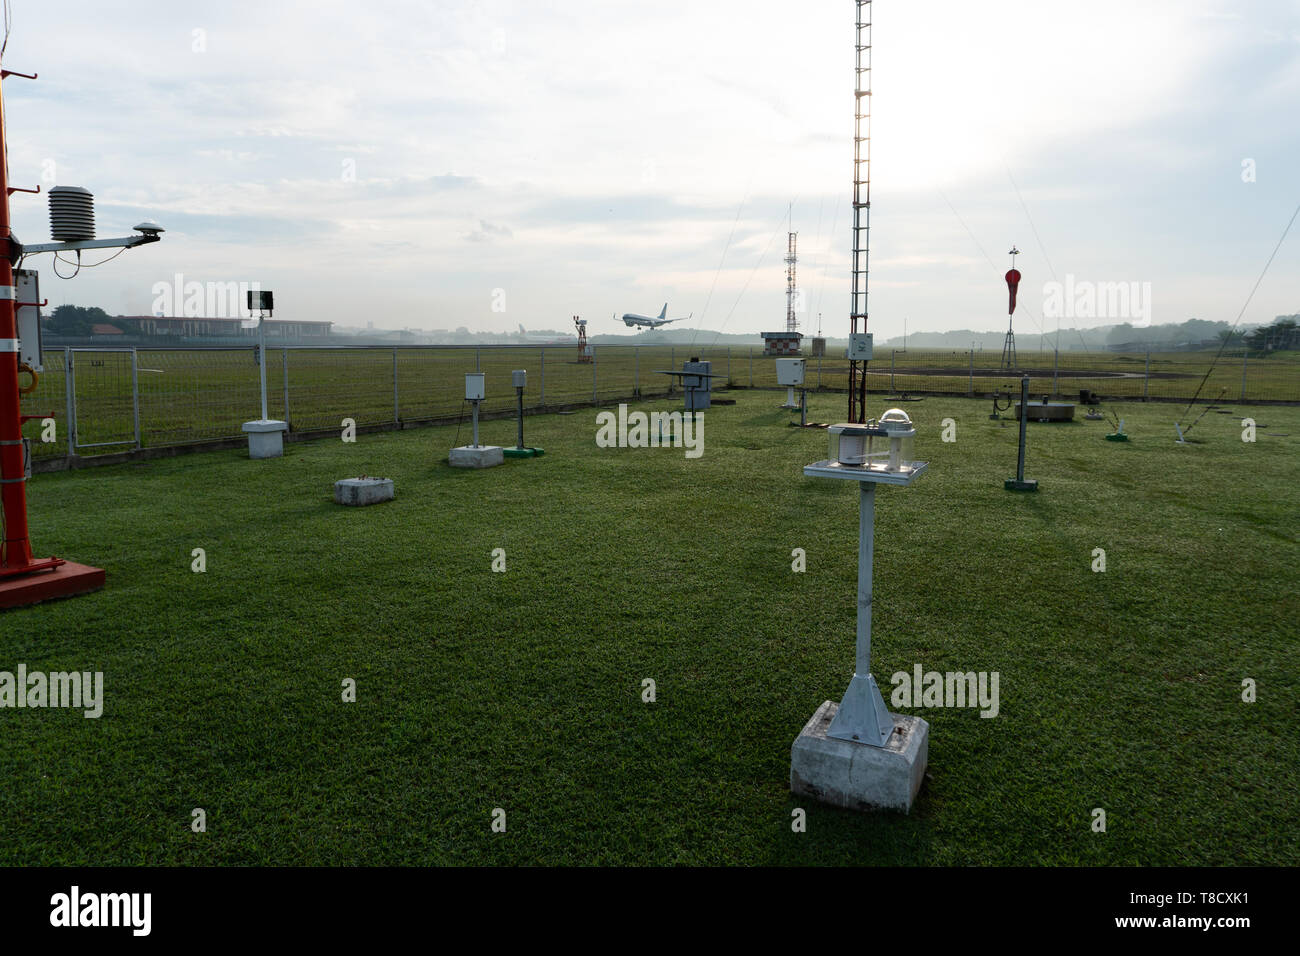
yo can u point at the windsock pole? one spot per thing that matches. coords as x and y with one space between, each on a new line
1013 283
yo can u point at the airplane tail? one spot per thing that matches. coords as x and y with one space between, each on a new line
663 311
521 330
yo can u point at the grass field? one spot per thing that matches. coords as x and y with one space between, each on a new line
522 690
193 396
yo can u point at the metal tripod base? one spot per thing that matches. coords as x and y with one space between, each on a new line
862 715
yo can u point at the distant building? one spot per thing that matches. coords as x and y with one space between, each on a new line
103 328
781 343
176 327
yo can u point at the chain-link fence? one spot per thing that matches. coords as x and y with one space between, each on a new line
1145 376
112 400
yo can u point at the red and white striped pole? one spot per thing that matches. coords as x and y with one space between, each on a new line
16 555
19 585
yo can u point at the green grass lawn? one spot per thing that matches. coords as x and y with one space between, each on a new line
476 690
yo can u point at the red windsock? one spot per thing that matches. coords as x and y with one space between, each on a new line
1013 280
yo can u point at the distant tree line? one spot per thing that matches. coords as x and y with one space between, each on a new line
1283 334
76 320
1193 333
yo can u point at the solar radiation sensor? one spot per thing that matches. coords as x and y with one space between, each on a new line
260 301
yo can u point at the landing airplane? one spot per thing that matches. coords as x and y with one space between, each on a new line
632 320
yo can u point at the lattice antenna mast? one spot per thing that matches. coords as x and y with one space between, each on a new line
861 207
791 323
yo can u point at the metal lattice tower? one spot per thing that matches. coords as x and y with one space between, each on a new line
791 323
861 207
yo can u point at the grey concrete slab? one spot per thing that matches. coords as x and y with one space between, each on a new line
360 492
483 456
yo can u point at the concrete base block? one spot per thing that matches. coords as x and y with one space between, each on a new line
265 438
484 456
858 776
363 491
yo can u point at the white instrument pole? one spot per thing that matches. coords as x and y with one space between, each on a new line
261 357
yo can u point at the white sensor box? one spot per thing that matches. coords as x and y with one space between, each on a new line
519 377
860 346
474 386
789 371
28 313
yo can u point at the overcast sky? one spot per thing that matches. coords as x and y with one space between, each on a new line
398 162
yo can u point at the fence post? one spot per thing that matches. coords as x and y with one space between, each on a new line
751 366
284 374
69 389
135 395
636 370
1244 352
819 373
892 352
970 389
595 398
728 365
672 363
542 398
397 407
477 366
1146 377
1056 361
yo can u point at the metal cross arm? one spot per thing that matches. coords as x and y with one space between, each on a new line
127 242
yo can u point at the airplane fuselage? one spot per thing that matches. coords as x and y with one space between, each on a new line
633 320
